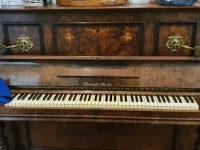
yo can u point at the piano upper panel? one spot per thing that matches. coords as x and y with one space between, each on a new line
149 72
127 30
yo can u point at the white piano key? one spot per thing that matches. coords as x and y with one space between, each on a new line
186 105
142 101
66 101
168 103
85 101
117 102
165 103
123 103
91 102
133 104
81 103
103 101
178 103
194 105
154 102
129 101
76 101
175 104
112 103
149 103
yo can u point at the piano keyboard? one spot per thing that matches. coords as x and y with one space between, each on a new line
107 101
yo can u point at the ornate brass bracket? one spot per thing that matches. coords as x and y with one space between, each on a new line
175 43
23 43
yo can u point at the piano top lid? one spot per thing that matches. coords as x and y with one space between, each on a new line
142 7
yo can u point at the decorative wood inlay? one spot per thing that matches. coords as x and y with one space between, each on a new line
98 39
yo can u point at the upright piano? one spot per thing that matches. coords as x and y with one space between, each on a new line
115 78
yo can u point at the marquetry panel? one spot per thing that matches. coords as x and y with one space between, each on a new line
186 32
98 39
12 31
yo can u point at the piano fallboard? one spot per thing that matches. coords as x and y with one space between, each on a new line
161 72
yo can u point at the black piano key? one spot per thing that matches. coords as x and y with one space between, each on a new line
95 97
81 97
179 99
99 97
167 98
31 96
159 99
14 95
140 98
56 97
121 98
147 98
64 96
74 97
152 99
89 97
125 98
132 98
106 99
174 98
60 97
24 96
49 96
20 96
39 96
70 97
186 99
45 97
111 98
115 98
163 99
34 97
191 99
85 98
136 98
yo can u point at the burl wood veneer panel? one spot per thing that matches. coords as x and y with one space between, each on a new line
12 31
104 39
187 32
100 136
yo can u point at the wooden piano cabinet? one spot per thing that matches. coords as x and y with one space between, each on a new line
124 31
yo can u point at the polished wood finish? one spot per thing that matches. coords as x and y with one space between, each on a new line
126 38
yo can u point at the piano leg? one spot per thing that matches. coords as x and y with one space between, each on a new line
197 143
3 138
